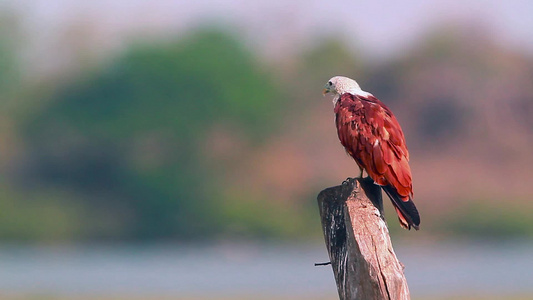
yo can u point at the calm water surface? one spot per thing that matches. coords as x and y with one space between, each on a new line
253 269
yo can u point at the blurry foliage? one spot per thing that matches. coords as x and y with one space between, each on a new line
130 138
46 215
327 58
268 219
9 64
440 118
330 57
123 152
384 81
487 219
7 76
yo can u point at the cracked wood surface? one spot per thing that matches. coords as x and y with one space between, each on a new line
357 239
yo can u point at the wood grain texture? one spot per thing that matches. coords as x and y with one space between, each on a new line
357 239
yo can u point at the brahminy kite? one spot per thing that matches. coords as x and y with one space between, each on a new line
372 136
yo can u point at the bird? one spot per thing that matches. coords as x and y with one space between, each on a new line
372 136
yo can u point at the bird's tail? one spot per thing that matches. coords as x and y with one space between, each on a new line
405 207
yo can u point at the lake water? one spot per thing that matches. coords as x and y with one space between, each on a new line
444 268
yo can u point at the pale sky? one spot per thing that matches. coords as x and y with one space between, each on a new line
378 28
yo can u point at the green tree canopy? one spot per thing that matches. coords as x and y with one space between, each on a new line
129 136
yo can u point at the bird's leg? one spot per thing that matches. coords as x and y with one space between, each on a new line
348 180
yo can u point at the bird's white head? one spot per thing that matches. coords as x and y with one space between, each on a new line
339 85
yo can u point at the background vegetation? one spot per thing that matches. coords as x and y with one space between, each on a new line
198 137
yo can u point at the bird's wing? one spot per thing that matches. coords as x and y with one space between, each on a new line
373 137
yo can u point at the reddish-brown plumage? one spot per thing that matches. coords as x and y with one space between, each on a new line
373 137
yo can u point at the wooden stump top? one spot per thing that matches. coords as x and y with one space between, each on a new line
357 239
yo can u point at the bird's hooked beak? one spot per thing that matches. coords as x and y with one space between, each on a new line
326 90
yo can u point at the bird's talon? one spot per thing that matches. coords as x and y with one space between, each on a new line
348 180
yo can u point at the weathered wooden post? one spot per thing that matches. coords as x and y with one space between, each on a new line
358 242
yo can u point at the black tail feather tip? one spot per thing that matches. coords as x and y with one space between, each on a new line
406 208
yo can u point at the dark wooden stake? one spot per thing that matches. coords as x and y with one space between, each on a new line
358 242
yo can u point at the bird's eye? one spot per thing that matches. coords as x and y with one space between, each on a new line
329 83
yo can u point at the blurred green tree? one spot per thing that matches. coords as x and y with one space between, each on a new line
10 36
130 138
329 57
